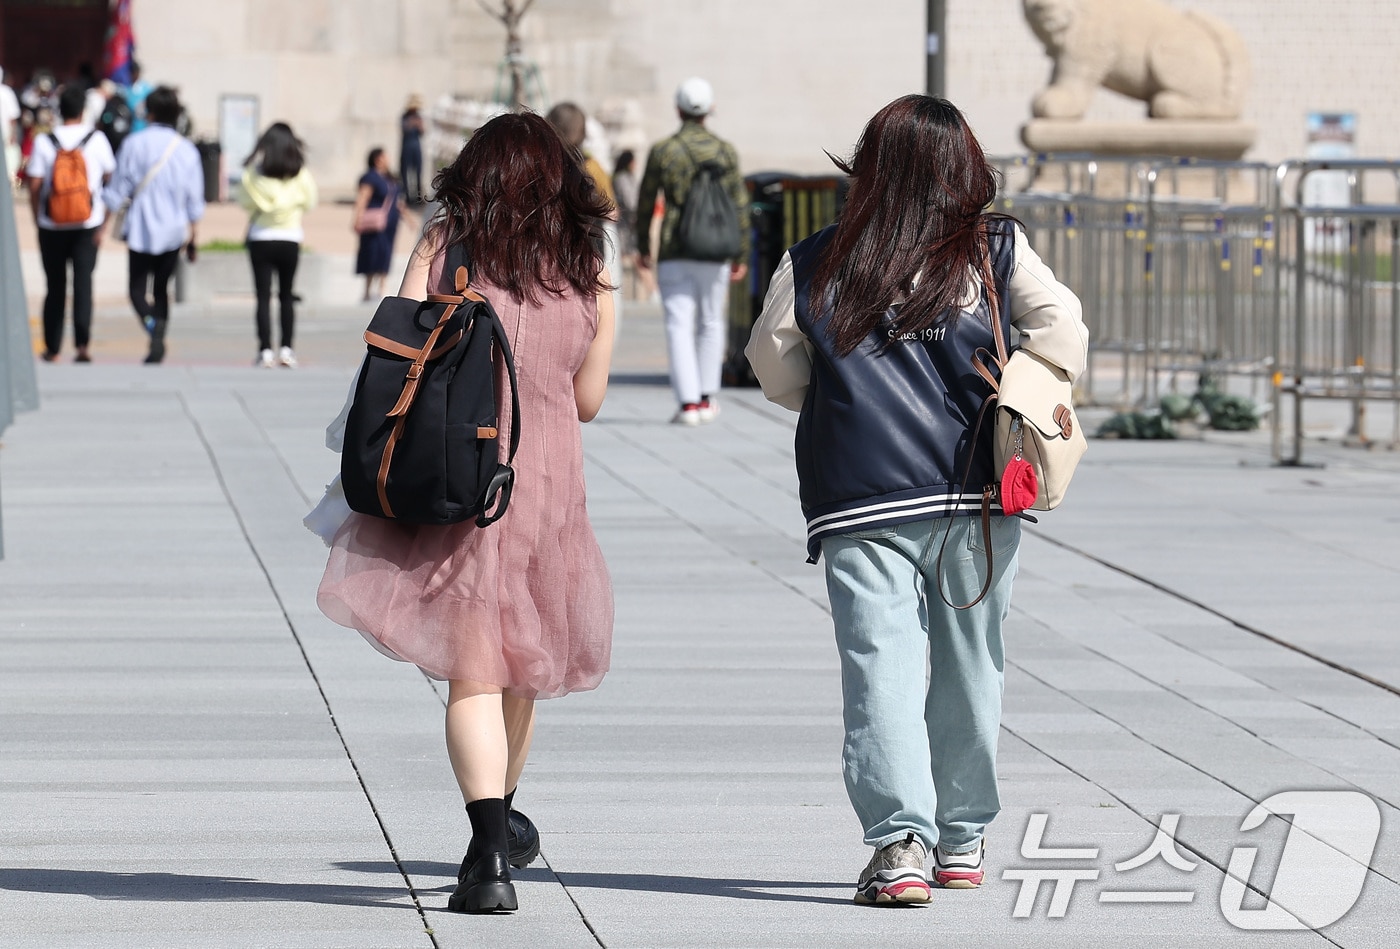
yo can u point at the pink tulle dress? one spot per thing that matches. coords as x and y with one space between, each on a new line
526 603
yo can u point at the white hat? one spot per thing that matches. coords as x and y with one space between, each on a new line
695 97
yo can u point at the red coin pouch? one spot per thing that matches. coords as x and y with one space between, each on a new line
1018 486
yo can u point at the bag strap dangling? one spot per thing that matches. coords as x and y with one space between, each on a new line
988 407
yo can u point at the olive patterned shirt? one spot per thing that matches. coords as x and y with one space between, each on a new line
671 166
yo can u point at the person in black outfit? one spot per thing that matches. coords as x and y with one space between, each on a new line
411 151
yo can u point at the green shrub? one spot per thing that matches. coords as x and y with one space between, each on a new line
1146 425
1228 413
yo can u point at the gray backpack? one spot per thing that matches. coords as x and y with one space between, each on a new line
709 227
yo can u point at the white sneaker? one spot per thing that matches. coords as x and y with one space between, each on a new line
265 360
285 357
961 871
708 410
688 414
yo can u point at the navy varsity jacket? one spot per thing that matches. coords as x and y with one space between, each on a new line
885 433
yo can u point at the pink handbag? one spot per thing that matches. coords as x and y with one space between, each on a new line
374 220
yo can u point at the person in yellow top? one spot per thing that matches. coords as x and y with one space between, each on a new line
276 190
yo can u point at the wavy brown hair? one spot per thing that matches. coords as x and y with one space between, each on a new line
919 185
529 215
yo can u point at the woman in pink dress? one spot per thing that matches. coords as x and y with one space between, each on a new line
521 609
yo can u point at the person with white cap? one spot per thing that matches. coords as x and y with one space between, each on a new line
694 290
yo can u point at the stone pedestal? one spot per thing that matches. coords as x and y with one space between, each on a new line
1178 138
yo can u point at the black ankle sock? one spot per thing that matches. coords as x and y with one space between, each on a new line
509 798
488 817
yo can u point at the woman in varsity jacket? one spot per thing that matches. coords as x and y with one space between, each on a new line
868 331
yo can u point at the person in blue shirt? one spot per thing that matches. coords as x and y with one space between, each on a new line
136 98
160 181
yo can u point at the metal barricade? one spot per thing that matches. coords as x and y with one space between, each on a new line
1174 260
1338 297
1336 294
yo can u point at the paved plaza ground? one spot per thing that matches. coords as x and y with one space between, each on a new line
192 756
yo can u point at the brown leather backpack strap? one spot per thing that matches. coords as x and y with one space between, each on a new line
415 368
979 366
381 480
980 358
989 283
986 519
399 413
988 404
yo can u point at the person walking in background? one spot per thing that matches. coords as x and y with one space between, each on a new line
115 119
376 220
276 191
411 150
38 106
572 125
160 182
694 293
92 106
136 97
625 189
9 127
890 304
521 609
66 172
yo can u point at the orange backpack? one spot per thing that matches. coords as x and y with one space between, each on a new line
70 198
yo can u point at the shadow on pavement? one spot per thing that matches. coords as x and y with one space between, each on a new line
639 379
190 888
707 886
640 882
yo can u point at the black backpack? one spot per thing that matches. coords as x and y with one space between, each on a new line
115 122
421 441
709 226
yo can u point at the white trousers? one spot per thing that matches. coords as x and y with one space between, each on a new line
695 294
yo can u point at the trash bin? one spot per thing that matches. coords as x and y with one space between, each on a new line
210 158
784 209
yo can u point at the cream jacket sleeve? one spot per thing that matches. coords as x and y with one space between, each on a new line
1044 311
778 351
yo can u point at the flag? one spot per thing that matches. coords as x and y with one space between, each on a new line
121 44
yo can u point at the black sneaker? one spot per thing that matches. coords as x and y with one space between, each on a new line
522 842
485 887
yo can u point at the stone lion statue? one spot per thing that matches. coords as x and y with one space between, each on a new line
1184 65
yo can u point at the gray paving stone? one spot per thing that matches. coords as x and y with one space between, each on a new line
175 714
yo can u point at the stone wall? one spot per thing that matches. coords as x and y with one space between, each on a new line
792 77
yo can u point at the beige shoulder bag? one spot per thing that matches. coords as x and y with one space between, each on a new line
1035 421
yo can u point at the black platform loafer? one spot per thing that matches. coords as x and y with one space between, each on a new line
486 887
522 843
522 840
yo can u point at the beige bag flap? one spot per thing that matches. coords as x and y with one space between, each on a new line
1038 392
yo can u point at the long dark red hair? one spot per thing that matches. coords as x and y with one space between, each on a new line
518 197
919 185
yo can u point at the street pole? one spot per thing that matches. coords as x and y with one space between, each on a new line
934 83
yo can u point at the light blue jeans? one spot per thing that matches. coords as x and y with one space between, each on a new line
920 753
